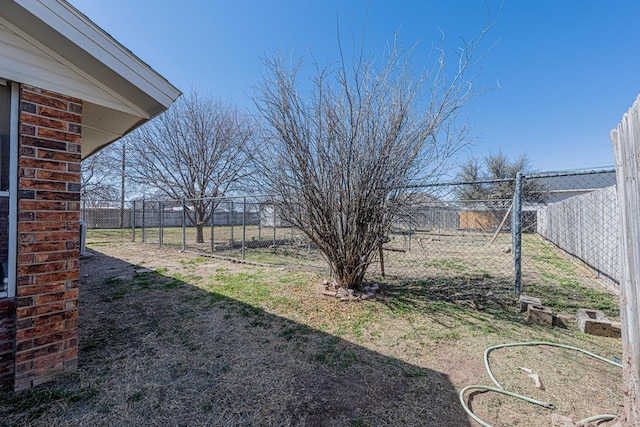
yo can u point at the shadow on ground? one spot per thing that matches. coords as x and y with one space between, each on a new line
157 351
459 297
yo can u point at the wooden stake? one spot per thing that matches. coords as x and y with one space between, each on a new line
382 260
493 239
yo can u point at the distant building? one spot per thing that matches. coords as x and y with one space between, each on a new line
270 217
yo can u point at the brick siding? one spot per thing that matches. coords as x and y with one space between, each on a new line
48 237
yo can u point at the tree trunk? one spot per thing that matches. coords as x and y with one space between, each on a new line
626 147
199 234
349 277
199 216
348 269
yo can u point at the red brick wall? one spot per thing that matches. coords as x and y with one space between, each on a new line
48 236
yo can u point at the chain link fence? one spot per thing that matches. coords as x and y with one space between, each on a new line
109 220
580 221
444 240
532 231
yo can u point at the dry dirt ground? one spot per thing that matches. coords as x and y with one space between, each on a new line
163 342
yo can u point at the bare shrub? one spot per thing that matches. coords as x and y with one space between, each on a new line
346 151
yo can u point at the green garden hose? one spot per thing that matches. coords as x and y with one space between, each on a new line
501 390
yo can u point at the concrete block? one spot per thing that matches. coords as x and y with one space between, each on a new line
616 329
525 301
594 322
540 315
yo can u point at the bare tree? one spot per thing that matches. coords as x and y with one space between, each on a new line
198 149
471 172
106 177
494 179
97 178
346 149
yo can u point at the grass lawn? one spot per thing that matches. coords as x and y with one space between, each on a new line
170 338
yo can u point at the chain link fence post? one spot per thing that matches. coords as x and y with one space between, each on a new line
232 214
244 227
184 224
133 221
213 223
275 225
516 234
160 222
409 233
143 219
259 221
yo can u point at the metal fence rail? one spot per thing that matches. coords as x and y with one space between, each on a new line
437 235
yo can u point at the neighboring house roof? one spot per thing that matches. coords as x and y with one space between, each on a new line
564 185
51 45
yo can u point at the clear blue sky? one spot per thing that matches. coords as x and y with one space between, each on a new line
565 71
